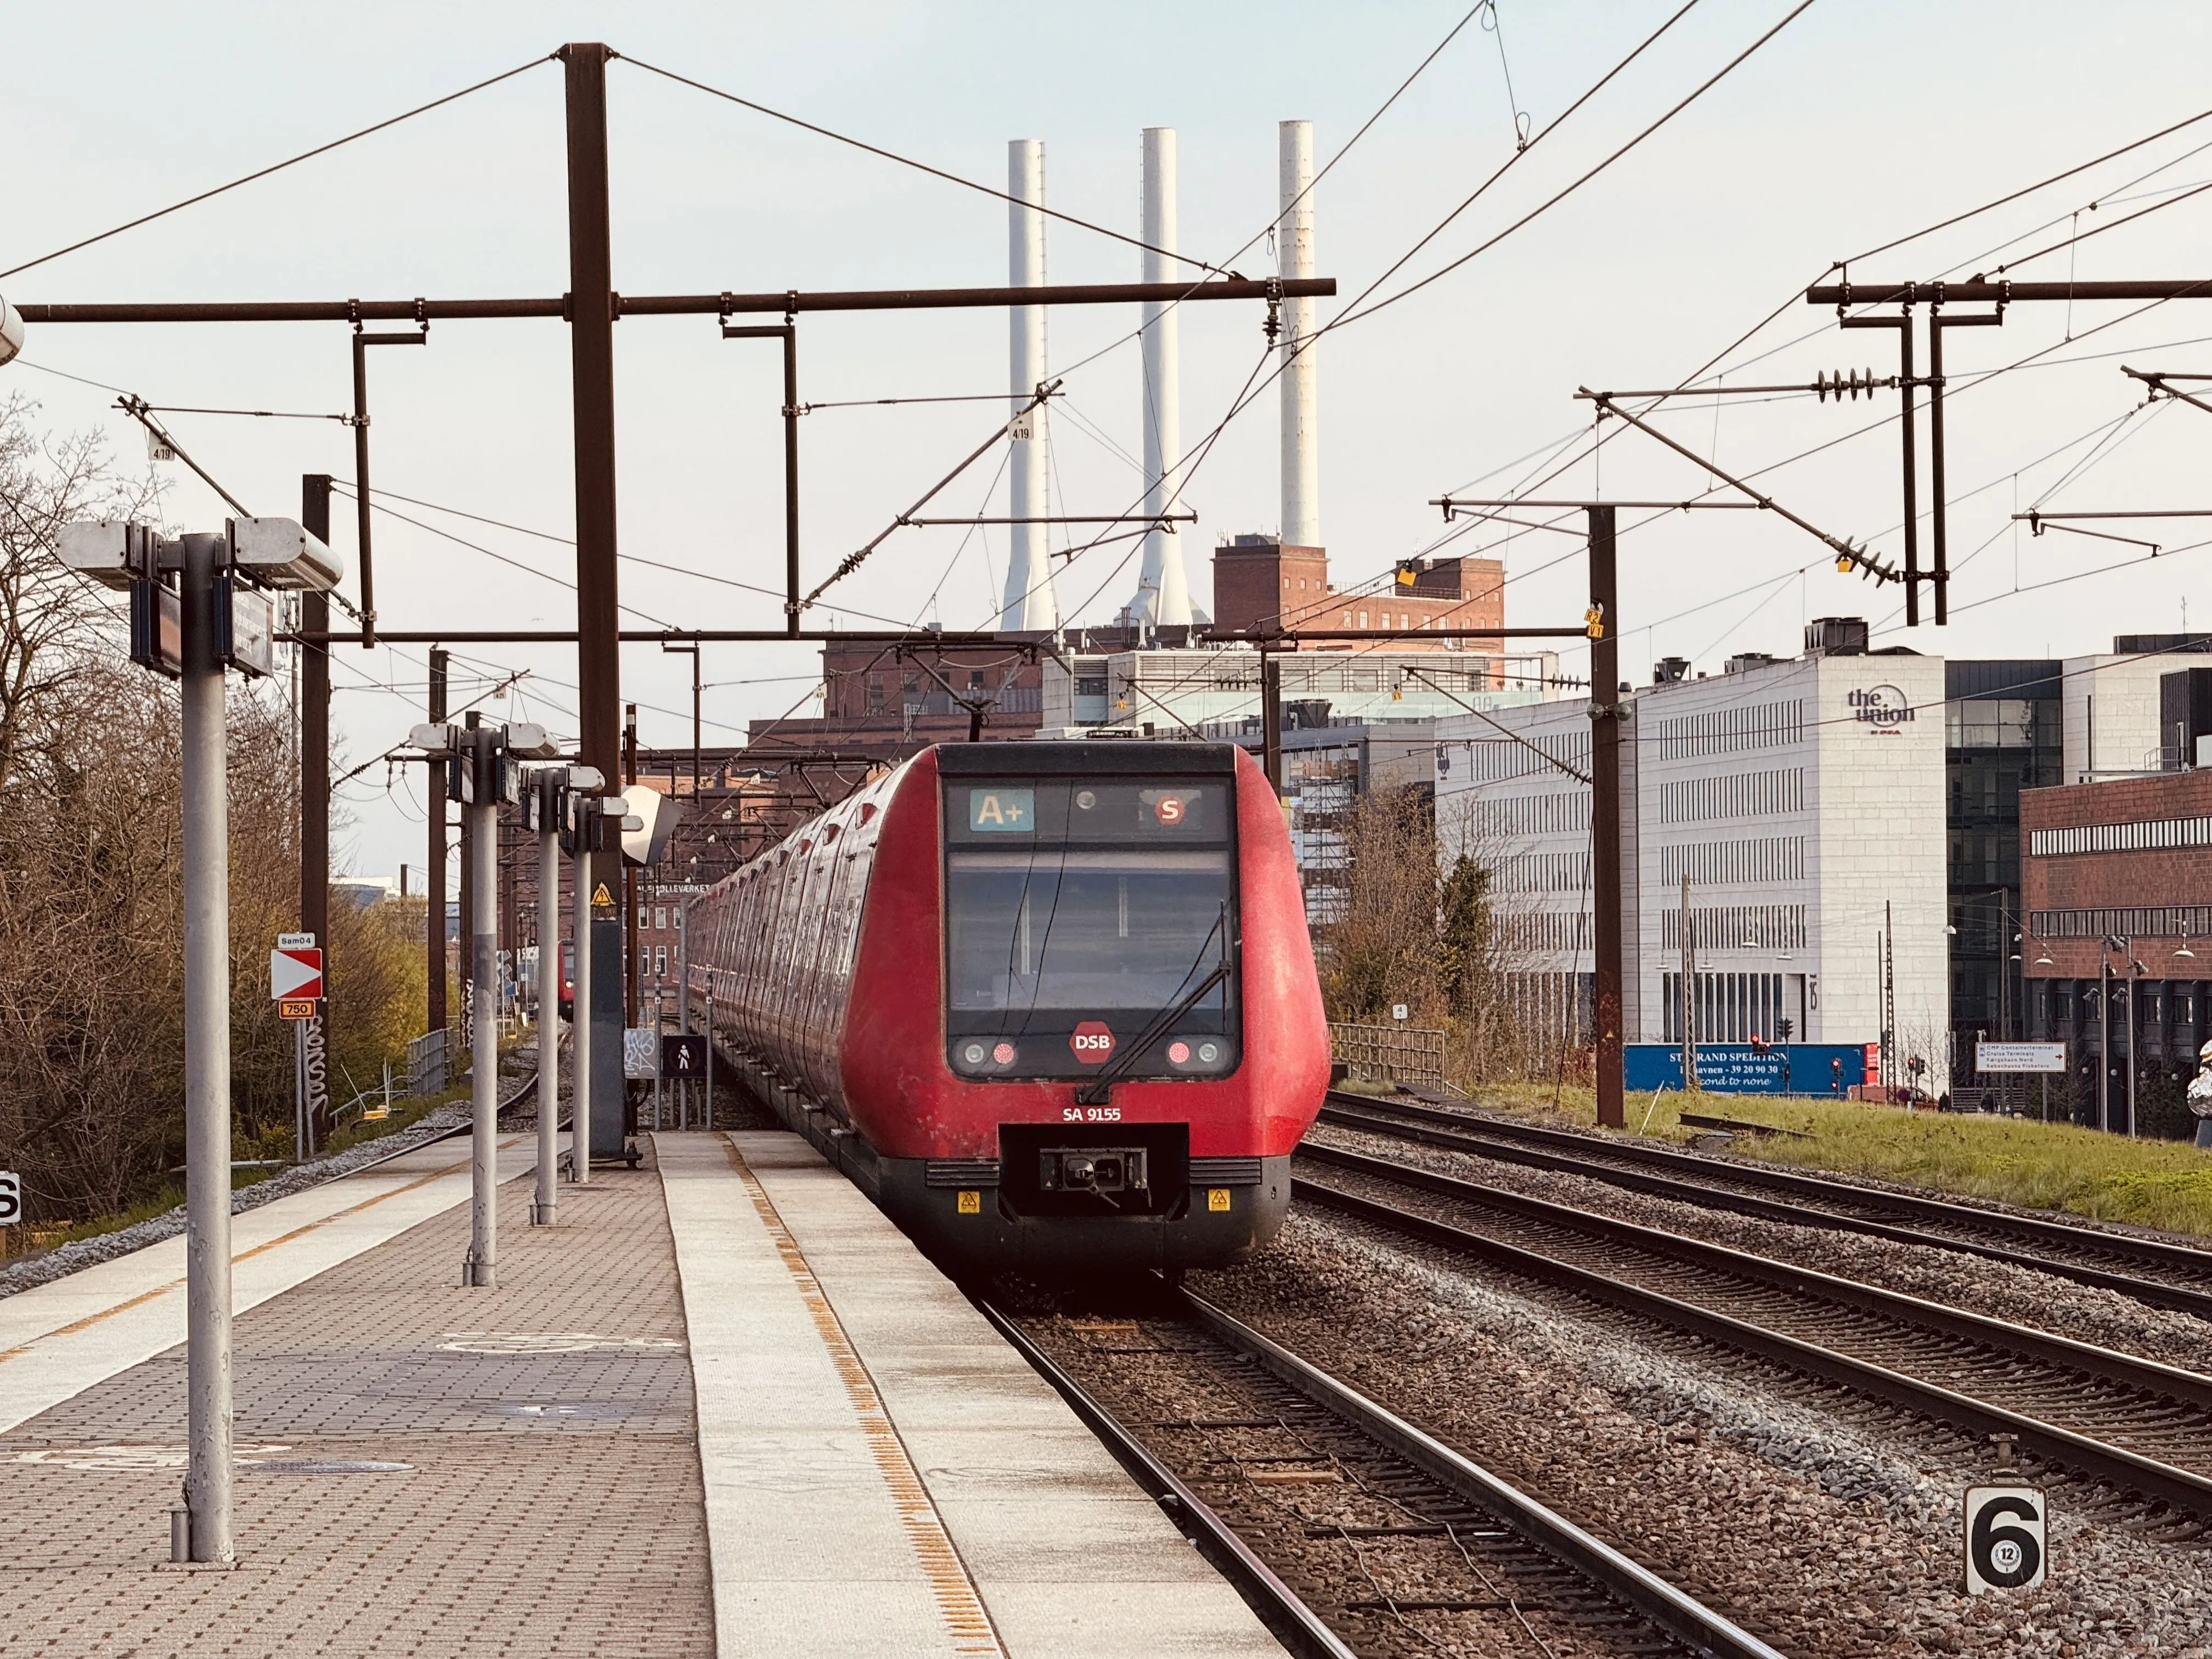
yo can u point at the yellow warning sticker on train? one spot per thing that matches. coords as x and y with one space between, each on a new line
1217 1198
972 1203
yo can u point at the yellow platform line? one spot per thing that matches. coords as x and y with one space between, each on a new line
90 1320
957 1602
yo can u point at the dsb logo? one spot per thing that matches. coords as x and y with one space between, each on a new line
1092 1042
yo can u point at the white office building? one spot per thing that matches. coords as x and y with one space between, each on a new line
2111 709
1803 802
1165 692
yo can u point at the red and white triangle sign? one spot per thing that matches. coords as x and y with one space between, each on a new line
296 971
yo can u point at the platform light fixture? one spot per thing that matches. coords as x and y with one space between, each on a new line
11 331
281 553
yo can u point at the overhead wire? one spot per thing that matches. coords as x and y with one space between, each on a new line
1195 458
919 165
264 173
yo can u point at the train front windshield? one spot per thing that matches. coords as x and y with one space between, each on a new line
1084 918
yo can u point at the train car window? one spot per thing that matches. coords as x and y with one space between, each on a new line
1078 915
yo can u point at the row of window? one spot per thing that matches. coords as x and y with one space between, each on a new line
2132 921
1711 863
1545 930
1735 927
1726 1007
1541 872
1491 760
1726 731
1531 815
1744 795
2148 834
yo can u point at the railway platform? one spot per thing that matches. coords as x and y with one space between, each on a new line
722 1408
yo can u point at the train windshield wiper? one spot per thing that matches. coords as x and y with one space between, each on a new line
1095 1091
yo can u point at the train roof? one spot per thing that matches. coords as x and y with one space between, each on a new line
1084 758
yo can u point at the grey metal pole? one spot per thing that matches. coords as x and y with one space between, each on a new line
580 1007
207 1063
549 1011
482 1269
706 1117
2135 980
1605 823
683 992
2104 1041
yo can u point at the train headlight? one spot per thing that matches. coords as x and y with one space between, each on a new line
973 1053
1209 1054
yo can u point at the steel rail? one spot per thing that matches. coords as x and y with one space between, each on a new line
1700 1183
1636 1592
1292 1623
523 1092
2133 1253
1678 1614
2182 1490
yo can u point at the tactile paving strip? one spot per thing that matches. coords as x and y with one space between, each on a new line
550 1502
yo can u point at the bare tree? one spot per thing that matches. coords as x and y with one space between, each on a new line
91 909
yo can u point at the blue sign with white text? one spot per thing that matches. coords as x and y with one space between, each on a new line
1735 1068
1013 811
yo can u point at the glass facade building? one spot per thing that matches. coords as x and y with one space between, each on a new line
2001 735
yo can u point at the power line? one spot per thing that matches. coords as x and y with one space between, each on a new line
304 156
2001 201
2110 224
920 167
1195 458
570 541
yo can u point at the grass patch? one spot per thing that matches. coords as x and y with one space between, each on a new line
2167 1184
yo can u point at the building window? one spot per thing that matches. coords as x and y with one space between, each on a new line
2144 836
660 917
660 962
1729 1007
1363 619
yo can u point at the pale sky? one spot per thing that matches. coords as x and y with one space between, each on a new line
1857 124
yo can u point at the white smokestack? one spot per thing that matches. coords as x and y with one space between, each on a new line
1029 607
1294 256
1164 588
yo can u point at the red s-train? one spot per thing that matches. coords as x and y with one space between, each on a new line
1051 1005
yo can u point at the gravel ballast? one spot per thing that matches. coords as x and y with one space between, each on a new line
1999 1290
1823 1533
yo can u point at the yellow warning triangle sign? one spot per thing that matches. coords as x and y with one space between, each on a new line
600 895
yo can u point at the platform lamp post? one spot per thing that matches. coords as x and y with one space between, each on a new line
482 773
198 608
545 810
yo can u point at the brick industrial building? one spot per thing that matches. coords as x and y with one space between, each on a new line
2115 879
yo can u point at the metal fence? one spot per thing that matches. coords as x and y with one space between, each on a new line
427 1064
1388 1054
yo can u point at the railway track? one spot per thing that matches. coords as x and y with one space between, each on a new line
2164 1274
2140 1428
1285 1473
